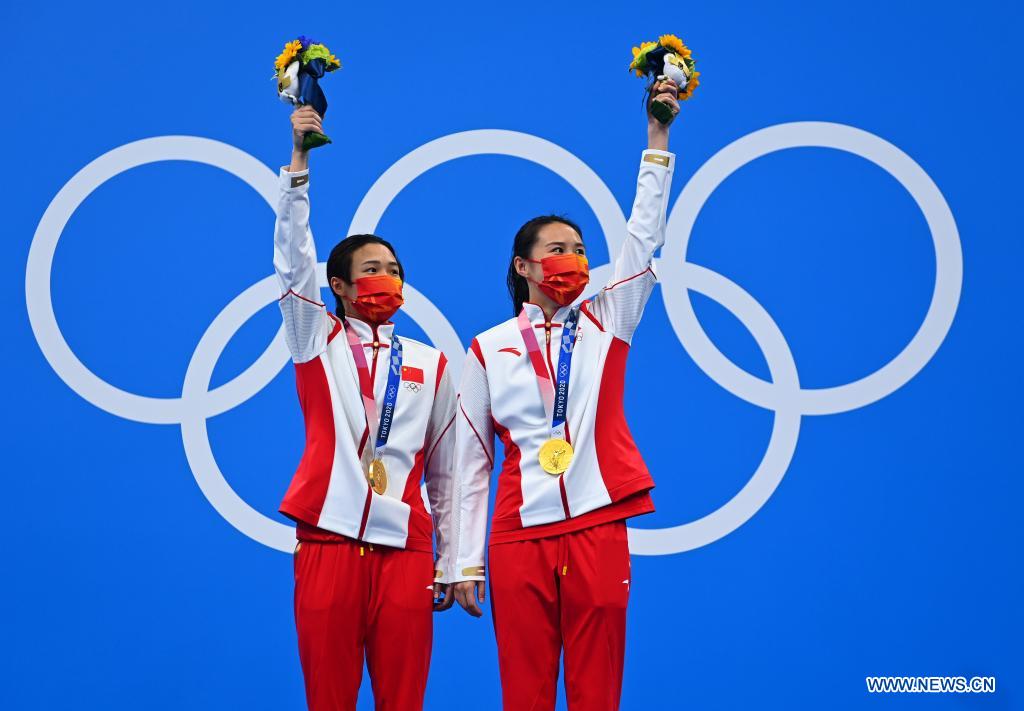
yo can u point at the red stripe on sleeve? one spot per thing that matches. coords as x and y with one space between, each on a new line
438 441
586 310
623 281
478 437
442 363
300 296
479 354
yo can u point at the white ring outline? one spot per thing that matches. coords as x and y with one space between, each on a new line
195 436
43 321
786 425
195 404
777 395
948 266
781 444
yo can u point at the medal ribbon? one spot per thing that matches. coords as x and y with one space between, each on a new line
555 395
381 424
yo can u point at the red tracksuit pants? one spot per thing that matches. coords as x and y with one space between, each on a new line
564 591
352 599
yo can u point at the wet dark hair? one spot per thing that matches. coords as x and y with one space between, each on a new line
522 245
339 263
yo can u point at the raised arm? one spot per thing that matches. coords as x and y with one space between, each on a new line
439 473
620 304
474 460
305 316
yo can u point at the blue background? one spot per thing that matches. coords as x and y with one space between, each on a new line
892 546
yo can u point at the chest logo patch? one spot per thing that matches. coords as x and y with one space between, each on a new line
412 378
412 375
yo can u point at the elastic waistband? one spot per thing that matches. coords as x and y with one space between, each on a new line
308 532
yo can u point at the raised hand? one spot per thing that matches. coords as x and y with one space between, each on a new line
304 119
665 91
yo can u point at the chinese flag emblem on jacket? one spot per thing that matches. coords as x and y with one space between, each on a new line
412 374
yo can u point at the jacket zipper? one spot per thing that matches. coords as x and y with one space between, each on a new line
376 347
369 435
561 477
547 343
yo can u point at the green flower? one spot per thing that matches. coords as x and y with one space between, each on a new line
316 51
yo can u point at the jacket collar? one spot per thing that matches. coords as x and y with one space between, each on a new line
369 333
536 314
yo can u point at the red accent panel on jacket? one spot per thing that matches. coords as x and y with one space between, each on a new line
509 498
304 499
421 525
621 465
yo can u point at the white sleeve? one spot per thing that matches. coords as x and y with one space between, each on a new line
474 459
621 303
439 472
306 323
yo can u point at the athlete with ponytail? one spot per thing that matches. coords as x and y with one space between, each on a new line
549 383
379 413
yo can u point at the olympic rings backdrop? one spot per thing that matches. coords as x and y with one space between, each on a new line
826 384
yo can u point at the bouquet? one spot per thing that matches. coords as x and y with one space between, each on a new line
668 58
298 70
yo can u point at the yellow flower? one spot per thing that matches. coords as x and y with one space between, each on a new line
290 51
675 44
637 52
690 86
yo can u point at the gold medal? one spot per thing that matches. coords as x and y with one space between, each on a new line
555 455
377 476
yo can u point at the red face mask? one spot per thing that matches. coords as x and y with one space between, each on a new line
565 276
378 296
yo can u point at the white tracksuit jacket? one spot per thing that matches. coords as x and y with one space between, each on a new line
499 394
329 488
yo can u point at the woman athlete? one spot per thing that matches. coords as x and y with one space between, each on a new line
549 383
378 410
